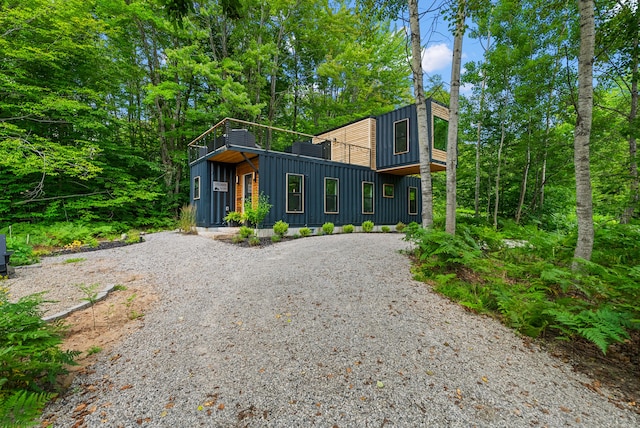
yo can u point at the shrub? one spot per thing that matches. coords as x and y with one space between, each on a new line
256 215
400 226
386 229
276 238
304 232
327 228
236 239
245 232
348 228
296 236
233 217
280 228
367 226
134 236
187 220
254 241
29 369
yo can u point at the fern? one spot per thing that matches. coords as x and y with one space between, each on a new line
22 408
601 327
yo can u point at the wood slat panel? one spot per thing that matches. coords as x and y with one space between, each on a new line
241 170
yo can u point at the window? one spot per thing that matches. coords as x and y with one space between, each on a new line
401 136
247 189
413 200
367 197
387 190
330 195
196 187
440 133
295 193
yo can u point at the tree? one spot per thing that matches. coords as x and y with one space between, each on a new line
584 108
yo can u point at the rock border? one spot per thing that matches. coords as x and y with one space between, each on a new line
99 297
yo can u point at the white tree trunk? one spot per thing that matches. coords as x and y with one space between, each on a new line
454 116
584 197
421 107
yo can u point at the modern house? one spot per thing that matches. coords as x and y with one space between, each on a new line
364 170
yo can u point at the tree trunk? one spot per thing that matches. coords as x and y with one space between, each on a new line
421 107
523 185
497 190
584 197
454 116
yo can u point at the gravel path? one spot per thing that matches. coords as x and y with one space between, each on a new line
326 331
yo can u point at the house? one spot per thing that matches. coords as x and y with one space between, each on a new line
364 170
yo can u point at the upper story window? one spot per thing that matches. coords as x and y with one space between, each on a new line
367 197
330 195
295 193
401 136
196 187
440 133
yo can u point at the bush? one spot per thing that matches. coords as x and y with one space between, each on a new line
280 228
304 232
348 228
187 220
245 232
237 239
254 241
233 217
31 360
276 238
400 226
327 228
386 229
256 215
367 226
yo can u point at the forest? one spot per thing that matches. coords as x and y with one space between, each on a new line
99 99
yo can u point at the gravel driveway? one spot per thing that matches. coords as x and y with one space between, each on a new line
326 331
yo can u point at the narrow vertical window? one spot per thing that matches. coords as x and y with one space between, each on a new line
196 188
367 197
330 195
401 136
247 189
295 193
440 133
413 200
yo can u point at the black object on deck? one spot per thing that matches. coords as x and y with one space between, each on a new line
4 256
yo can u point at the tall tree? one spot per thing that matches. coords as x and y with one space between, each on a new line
584 109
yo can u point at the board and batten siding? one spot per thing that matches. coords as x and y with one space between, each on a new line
354 143
388 211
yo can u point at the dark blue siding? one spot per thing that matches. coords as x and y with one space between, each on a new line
221 202
275 166
201 169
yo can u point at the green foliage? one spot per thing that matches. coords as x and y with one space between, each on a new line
237 239
134 236
30 359
75 260
22 252
245 232
234 216
280 228
304 232
385 229
367 226
348 228
254 241
276 238
256 215
400 226
327 228
187 220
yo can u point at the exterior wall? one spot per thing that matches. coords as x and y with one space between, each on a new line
354 143
213 203
242 169
273 172
435 109
202 169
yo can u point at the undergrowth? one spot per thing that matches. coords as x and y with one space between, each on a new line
522 275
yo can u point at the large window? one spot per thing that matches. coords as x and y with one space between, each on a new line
413 200
401 136
331 195
440 133
367 197
196 187
295 193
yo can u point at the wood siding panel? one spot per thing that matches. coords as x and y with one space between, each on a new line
353 143
440 111
242 169
439 155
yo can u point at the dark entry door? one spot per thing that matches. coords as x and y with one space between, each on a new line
222 192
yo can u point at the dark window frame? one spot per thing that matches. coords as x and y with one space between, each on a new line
364 197
406 137
299 194
336 196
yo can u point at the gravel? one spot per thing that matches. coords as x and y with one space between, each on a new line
325 331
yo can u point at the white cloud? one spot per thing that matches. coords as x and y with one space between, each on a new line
436 57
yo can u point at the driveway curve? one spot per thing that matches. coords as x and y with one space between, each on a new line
328 331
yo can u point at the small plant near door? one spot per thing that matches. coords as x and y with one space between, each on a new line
256 215
233 218
304 232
